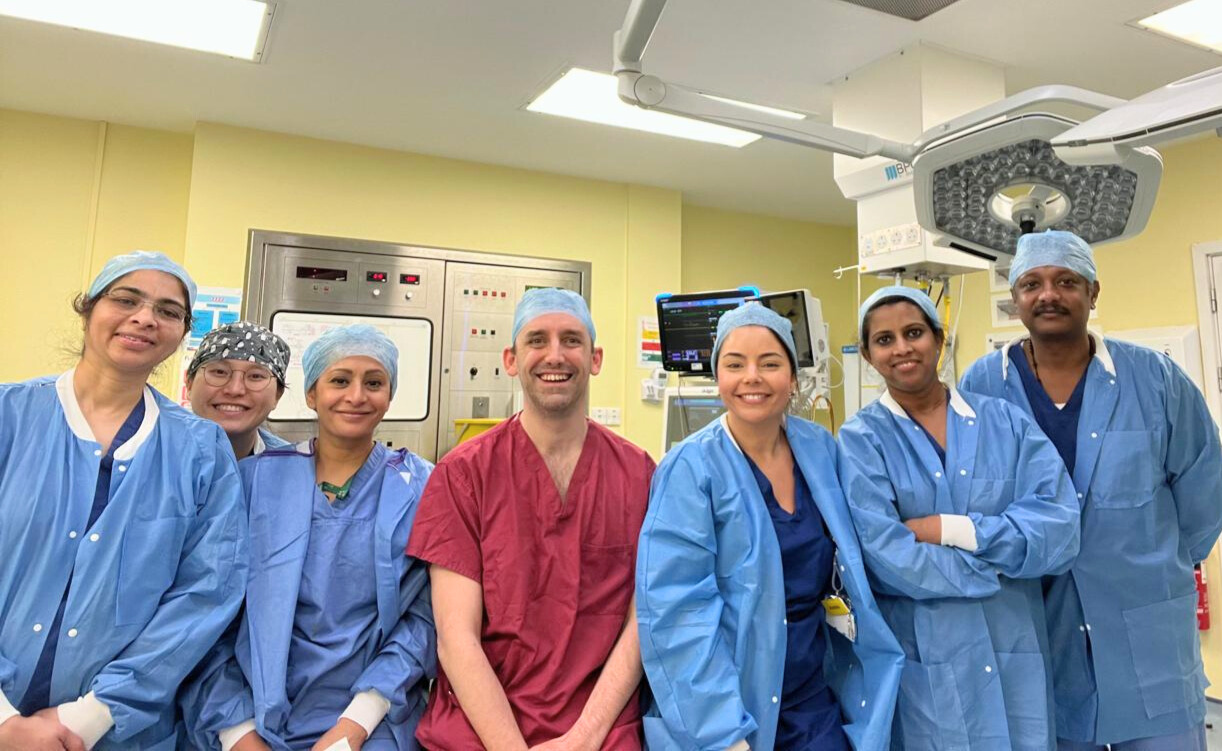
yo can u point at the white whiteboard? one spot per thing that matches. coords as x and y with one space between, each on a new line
413 337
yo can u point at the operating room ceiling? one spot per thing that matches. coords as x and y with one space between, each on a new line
451 78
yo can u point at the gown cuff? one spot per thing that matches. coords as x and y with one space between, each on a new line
88 717
230 736
367 709
7 710
959 532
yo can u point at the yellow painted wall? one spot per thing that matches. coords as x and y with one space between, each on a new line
725 249
72 194
245 179
1148 282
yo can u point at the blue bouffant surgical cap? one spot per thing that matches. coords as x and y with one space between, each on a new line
893 294
1053 248
141 260
540 302
350 341
755 314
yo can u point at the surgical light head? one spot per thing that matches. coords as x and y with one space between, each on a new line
984 188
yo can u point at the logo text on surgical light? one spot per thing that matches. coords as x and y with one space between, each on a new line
897 170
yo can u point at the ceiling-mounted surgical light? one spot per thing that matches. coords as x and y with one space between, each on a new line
983 188
982 178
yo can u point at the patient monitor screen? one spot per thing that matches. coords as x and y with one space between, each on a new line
792 305
688 327
687 414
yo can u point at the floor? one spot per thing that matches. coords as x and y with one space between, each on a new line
1213 725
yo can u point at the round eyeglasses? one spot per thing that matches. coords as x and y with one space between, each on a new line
255 379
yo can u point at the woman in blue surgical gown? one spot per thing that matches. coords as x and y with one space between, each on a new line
121 531
961 505
746 537
336 644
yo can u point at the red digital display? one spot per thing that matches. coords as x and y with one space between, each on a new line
375 276
409 278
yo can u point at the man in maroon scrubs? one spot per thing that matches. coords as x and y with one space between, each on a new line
531 530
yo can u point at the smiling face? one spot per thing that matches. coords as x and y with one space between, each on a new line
351 397
553 358
902 347
1054 302
132 327
754 376
247 395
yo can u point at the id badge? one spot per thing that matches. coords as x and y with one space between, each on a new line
846 624
837 605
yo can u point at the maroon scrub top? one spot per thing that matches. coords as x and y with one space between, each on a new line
557 577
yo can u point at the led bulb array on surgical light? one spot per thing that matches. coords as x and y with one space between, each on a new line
1092 202
981 189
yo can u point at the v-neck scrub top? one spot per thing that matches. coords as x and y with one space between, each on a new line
556 574
810 715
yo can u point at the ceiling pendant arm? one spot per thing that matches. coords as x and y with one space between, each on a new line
650 92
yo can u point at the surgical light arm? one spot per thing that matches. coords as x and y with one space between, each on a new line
1190 105
650 92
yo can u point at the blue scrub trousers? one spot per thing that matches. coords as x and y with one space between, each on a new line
1192 740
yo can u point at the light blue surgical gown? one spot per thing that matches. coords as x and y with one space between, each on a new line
334 607
271 440
711 601
971 623
155 580
1126 655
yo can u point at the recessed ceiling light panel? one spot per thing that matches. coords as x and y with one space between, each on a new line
235 28
1196 22
593 97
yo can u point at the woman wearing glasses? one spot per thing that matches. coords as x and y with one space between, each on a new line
336 645
230 383
121 526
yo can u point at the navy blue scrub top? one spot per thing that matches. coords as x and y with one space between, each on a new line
810 715
38 695
1060 425
929 436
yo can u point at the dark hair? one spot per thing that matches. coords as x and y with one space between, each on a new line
892 300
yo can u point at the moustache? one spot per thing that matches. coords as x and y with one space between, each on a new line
1051 309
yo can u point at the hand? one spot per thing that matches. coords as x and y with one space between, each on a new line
570 741
345 728
927 529
42 732
251 742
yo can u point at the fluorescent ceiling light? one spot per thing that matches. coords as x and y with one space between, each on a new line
586 95
758 107
237 28
1197 22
